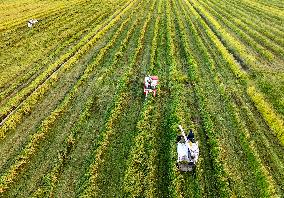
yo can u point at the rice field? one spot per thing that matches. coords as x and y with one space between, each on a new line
74 121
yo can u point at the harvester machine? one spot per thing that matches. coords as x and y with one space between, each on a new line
188 152
150 85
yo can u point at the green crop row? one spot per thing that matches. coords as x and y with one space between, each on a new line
140 178
9 176
117 111
272 119
154 41
176 114
68 60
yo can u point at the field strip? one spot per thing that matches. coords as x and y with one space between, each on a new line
218 168
35 71
214 76
255 21
109 71
275 13
268 146
118 55
255 153
205 51
256 13
140 176
74 121
205 167
68 62
140 179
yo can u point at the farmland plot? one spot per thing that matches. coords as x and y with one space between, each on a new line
74 121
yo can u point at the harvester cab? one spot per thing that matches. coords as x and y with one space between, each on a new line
188 152
150 85
31 22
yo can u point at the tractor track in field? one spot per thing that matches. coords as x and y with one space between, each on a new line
3 120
